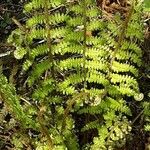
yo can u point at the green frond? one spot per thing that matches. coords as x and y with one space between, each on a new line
16 37
76 9
36 34
123 79
132 47
130 56
118 105
59 32
75 21
147 127
146 108
91 125
108 39
132 29
78 63
27 64
95 25
96 41
97 53
96 65
124 67
65 47
107 105
68 85
71 63
42 33
20 52
45 88
37 4
12 100
39 50
38 71
75 36
34 4
40 19
93 12
94 92
97 77
121 90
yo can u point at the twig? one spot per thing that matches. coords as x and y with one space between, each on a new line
25 100
137 116
19 24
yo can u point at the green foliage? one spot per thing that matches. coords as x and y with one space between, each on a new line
146 5
78 63
9 96
146 106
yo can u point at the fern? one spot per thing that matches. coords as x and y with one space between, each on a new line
146 106
114 70
12 101
80 64
39 46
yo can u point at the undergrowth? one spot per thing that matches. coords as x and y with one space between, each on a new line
81 75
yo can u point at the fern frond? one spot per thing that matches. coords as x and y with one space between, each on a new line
91 125
38 4
40 19
123 79
12 100
124 67
126 55
39 70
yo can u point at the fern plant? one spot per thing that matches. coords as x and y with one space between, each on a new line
78 63
106 69
37 42
11 99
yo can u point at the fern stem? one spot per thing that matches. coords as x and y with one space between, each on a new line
44 129
121 37
41 112
84 41
123 30
47 25
72 101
